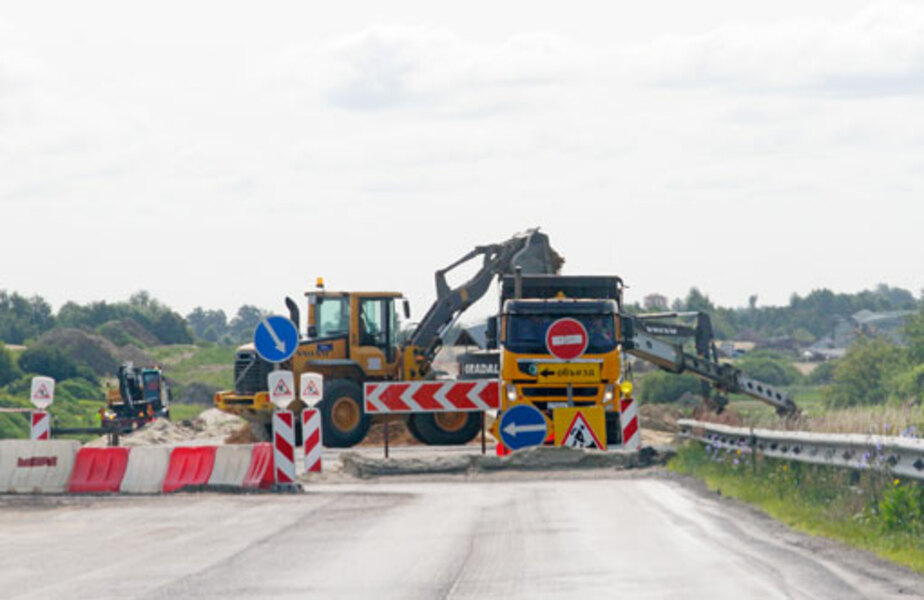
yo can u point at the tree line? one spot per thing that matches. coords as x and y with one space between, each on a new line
27 318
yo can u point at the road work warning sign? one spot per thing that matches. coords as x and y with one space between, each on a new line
281 386
583 427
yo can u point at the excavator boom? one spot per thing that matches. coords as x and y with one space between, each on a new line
530 251
639 341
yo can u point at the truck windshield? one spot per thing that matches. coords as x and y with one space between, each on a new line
332 316
526 333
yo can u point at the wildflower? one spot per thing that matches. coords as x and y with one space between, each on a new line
735 462
896 481
886 427
739 451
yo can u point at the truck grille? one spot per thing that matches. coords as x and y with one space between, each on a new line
250 373
556 392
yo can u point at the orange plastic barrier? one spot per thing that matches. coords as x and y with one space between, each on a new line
98 470
260 472
189 465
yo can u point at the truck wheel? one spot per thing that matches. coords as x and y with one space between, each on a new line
613 430
344 422
446 428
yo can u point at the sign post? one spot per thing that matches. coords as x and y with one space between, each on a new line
42 395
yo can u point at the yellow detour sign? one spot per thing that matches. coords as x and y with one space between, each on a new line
568 372
580 427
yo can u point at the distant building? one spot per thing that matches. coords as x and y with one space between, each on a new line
655 302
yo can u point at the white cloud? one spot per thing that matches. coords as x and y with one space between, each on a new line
393 67
879 50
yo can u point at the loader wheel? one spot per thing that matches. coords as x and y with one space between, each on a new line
445 429
344 422
613 430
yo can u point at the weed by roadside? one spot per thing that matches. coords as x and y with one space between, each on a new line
868 508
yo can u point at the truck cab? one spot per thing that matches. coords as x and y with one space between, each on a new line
530 373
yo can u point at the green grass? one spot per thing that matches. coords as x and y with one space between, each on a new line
185 412
868 510
209 364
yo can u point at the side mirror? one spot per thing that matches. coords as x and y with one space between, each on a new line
490 334
407 308
627 329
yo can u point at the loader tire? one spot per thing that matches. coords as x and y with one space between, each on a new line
344 422
411 424
445 429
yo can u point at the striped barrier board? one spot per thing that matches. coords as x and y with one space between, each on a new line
311 433
432 396
631 434
40 429
284 446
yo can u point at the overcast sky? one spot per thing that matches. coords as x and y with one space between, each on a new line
220 153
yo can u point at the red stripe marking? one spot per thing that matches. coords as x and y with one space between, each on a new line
285 448
286 418
625 404
391 396
424 396
313 440
458 395
282 476
490 395
629 430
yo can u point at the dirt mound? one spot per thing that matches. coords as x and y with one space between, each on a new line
127 332
398 435
211 426
94 351
532 459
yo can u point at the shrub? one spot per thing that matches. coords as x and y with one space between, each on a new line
769 367
8 369
48 361
663 387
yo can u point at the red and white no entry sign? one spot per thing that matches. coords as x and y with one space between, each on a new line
566 339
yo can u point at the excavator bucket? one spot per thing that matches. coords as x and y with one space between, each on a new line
537 257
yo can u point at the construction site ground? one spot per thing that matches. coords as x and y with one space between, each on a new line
565 534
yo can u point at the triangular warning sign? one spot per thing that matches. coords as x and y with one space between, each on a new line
42 392
581 435
282 389
311 389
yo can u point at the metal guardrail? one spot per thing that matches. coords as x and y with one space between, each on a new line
900 456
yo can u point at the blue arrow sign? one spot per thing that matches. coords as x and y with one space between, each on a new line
275 338
523 425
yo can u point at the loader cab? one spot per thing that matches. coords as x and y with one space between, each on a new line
361 327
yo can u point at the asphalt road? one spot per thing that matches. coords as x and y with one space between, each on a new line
630 536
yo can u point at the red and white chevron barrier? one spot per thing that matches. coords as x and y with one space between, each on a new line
284 446
432 396
311 434
628 417
41 426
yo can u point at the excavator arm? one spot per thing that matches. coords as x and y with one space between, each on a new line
530 251
644 338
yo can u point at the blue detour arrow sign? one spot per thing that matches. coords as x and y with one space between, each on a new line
523 425
275 338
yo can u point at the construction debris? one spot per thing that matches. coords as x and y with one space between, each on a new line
211 426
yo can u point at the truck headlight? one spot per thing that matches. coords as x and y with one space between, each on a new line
511 393
609 392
